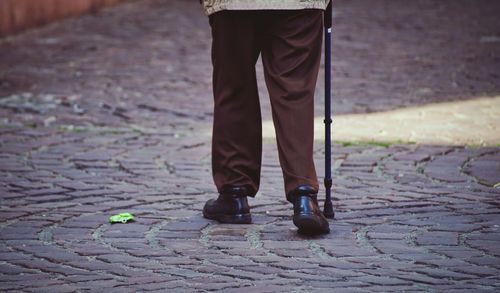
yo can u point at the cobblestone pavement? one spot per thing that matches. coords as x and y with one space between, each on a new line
102 114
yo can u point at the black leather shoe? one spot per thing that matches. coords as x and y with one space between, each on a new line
230 207
307 215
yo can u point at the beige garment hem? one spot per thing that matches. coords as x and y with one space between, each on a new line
271 5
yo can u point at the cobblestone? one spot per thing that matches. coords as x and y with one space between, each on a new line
103 114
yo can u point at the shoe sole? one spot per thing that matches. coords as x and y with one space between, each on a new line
230 219
309 225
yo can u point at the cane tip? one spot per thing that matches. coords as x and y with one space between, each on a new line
328 208
329 215
328 211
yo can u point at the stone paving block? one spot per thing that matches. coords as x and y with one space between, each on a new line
382 280
437 238
424 279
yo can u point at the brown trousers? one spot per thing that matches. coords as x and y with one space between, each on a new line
290 42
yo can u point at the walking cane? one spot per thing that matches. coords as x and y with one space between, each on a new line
328 207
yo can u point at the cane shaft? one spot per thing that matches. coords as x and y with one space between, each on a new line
328 207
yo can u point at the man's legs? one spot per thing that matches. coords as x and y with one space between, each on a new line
237 125
291 46
291 56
